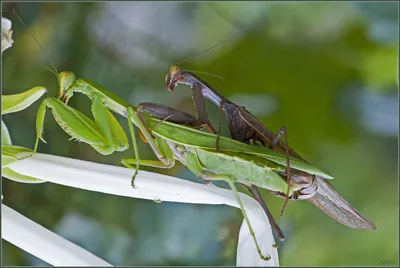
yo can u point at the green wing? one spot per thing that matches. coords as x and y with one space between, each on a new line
192 137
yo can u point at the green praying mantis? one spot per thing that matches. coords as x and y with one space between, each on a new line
172 136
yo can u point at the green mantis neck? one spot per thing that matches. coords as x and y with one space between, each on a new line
93 90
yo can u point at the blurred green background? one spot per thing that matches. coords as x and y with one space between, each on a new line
326 71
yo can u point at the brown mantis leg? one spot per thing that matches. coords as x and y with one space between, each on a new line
169 114
221 105
256 193
201 109
251 129
281 132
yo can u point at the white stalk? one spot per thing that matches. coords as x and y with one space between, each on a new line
152 186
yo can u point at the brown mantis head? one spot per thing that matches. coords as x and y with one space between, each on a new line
173 77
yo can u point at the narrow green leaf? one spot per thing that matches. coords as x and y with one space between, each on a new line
12 153
17 102
14 176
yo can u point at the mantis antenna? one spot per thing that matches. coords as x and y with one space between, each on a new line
213 75
50 70
47 56
204 51
41 65
237 24
227 17
207 49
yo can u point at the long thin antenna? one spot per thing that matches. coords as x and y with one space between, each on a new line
48 58
41 65
237 24
227 17
204 51
52 71
213 75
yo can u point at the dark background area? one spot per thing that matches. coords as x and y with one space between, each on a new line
326 71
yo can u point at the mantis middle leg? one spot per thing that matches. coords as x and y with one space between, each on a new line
158 145
241 130
231 183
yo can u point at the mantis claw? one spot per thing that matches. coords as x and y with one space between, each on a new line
207 182
266 258
133 179
133 183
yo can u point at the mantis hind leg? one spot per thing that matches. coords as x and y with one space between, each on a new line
166 114
134 163
231 183
281 132
257 195
175 116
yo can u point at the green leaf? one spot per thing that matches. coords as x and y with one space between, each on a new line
14 176
12 153
17 102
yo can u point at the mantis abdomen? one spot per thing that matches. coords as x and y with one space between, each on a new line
245 169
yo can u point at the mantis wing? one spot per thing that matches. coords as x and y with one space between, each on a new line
189 136
334 205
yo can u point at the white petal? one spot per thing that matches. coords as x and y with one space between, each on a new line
5 135
153 186
42 243
6 34
246 253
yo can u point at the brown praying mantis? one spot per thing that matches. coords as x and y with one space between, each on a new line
245 127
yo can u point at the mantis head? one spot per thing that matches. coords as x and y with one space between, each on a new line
173 77
65 80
